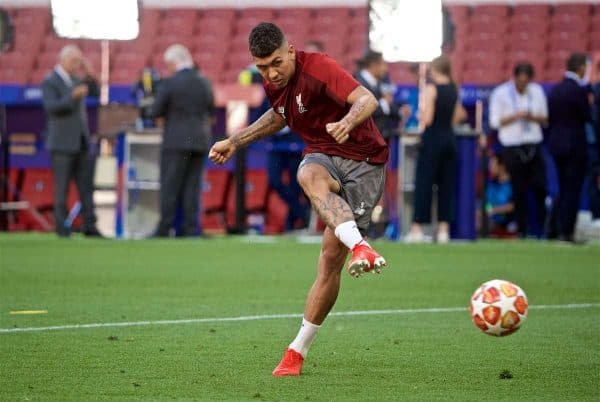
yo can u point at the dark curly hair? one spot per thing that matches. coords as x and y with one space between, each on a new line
264 39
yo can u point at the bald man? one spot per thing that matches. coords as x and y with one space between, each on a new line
68 141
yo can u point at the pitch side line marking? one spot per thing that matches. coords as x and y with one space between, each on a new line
275 316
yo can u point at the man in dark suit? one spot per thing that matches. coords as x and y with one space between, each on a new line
372 75
68 139
185 100
569 110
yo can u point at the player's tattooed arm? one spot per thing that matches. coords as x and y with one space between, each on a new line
363 105
332 209
269 123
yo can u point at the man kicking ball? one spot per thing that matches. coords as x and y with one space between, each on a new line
343 170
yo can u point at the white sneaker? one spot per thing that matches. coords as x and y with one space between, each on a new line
416 238
443 238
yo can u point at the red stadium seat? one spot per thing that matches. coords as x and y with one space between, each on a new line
554 74
583 8
595 40
359 24
537 25
490 11
527 42
482 77
186 13
14 75
124 76
16 59
215 75
488 26
333 14
357 42
558 59
47 60
571 41
220 14
214 199
229 76
297 13
259 14
570 23
141 45
37 190
209 60
487 41
276 214
239 60
179 29
213 26
89 46
38 75
542 10
256 189
214 190
493 63
212 46
30 44
401 73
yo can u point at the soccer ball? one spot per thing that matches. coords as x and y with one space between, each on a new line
498 307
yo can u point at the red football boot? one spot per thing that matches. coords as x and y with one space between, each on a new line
365 259
290 364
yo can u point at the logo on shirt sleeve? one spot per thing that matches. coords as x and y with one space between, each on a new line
281 111
301 107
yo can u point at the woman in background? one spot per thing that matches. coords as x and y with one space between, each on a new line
436 162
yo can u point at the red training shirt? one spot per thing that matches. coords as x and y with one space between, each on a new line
316 95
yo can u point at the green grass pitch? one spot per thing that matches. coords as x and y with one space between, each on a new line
419 355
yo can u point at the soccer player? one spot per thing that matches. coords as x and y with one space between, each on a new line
343 169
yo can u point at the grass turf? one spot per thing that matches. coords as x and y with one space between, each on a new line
415 356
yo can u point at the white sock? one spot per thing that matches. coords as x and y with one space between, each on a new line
348 234
306 335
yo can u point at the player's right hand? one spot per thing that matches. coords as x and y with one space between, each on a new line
221 151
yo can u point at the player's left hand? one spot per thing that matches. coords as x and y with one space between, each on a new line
340 131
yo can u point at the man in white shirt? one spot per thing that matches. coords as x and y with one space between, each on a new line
518 110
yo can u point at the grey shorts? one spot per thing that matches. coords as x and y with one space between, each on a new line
361 183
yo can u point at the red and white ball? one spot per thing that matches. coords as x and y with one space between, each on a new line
498 307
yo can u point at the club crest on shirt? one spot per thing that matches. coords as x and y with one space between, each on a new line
301 107
281 111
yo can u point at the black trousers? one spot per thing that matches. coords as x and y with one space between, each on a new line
436 164
527 169
78 166
180 175
571 171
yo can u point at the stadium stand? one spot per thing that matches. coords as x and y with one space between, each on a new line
217 37
488 40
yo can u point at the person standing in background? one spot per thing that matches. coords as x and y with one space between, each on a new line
63 98
518 110
185 100
372 75
569 110
436 161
